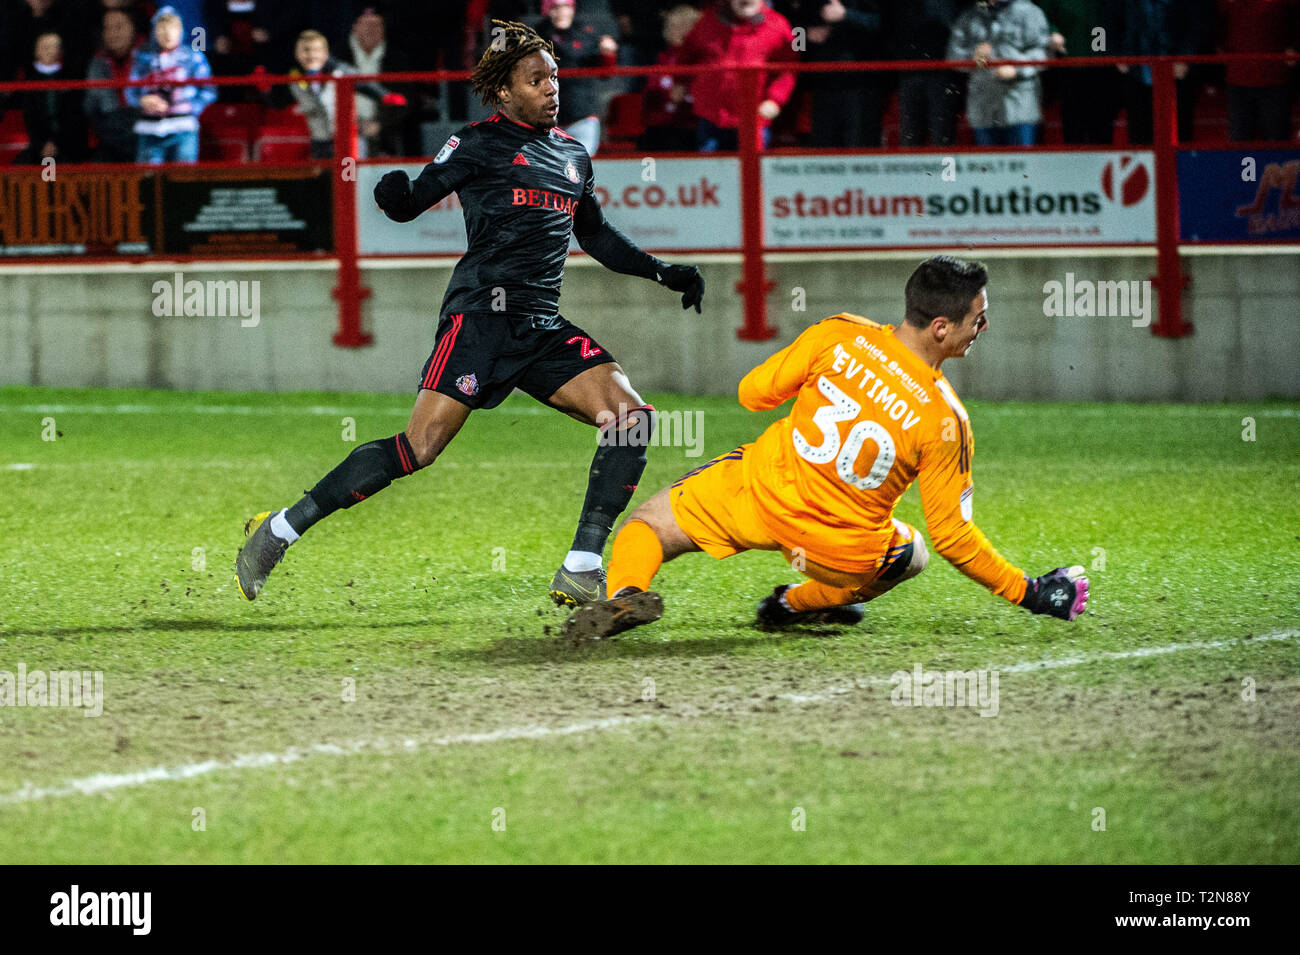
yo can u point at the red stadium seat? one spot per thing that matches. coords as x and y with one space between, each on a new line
13 135
283 122
283 149
221 117
225 150
624 123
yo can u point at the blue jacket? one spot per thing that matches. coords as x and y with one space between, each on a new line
168 73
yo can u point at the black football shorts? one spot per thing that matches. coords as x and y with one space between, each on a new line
480 357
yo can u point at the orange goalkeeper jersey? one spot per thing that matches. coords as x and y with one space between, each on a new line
869 418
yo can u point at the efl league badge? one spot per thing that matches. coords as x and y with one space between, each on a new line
468 384
571 172
447 149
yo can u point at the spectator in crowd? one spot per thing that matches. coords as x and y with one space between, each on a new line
55 129
241 39
928 101
578 44
28 19
737 33
384 127
846 107
316 95
112 118
666 107
168 129
1259 97
640 26
1159 28
1088 94
140 12
1003 103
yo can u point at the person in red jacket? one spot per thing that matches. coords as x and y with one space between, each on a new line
1259 100
737 33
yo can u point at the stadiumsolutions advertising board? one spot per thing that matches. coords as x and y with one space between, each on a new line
658 203
966 199
835 200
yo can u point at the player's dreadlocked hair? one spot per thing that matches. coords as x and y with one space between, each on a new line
511 42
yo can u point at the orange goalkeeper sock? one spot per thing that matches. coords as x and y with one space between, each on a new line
814 595
635 559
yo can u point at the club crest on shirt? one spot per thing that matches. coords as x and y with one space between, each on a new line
447 149
468 384
571 171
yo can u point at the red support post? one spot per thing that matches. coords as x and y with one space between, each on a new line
349 292
754 283
1169 280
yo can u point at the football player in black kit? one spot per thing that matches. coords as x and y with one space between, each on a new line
525 185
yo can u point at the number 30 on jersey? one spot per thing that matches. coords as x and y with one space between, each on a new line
826 418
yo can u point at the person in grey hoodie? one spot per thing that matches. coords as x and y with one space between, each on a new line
1004 103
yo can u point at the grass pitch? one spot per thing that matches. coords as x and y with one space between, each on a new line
399 694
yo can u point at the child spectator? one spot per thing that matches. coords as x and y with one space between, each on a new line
316 95
1259 100
1004 103
168 129
666 106
55 129
737 33
112 118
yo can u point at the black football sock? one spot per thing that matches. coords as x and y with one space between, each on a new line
615 471
370 468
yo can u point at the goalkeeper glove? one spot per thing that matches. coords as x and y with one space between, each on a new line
685 279
393 193
1062 593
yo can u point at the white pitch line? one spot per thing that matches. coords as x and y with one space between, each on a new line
1032 666
105 782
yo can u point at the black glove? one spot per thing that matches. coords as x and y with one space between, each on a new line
393 192
1062 593
687 280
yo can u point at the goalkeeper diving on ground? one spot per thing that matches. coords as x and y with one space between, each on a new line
872 414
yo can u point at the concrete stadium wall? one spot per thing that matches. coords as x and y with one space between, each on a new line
80 327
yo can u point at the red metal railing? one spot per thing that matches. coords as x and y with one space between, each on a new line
754 286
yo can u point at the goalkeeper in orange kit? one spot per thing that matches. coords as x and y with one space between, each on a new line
872 414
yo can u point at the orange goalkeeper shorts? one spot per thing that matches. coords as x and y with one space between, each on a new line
714 508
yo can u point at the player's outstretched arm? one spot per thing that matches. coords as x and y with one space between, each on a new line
946 497
403 200
618 253
454 166
781 376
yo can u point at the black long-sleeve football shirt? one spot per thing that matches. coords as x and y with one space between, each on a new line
524 191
